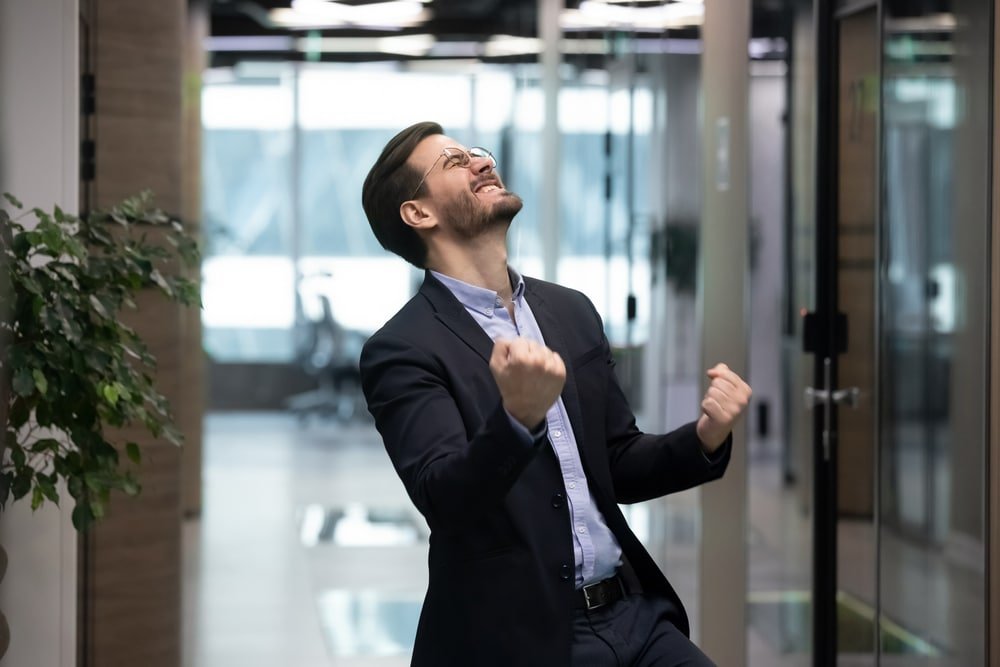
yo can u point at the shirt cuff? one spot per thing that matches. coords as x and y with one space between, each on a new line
719 453
526 436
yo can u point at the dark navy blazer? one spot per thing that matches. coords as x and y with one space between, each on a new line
501 564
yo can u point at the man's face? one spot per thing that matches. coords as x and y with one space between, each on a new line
469 200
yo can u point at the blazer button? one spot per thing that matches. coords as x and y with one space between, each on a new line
557 500
565 572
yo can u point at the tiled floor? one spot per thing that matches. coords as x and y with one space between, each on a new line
252 586
257 595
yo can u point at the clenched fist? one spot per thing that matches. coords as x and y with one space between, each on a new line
725 401
530 377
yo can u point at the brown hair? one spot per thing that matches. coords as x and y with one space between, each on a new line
389 183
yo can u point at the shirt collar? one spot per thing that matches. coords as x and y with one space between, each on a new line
480 299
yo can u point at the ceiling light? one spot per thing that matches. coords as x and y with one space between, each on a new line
305 14
247 43
680 2
402 45
499 46
594 15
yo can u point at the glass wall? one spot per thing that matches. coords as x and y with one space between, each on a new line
932 320
279 238
247 215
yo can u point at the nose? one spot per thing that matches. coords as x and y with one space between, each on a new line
480 165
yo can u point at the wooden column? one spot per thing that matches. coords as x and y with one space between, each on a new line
132 560
191 406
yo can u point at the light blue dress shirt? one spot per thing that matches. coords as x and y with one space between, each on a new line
595 548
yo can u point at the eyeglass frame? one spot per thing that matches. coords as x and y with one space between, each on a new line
474 152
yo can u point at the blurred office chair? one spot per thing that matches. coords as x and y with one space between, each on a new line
331 354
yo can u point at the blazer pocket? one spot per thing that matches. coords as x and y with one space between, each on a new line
588 356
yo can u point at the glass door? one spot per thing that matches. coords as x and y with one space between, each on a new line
932 321
840 335
899 336
887 285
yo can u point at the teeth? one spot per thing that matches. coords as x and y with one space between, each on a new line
488 188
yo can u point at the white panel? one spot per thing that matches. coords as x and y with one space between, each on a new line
39 163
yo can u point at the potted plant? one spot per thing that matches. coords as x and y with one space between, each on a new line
71 372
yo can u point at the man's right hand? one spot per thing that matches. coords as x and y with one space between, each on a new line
530 377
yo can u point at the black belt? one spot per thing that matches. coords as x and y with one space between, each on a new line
602 593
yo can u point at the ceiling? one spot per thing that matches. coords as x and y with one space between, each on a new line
248 30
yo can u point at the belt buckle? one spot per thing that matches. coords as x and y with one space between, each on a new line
605 598
591 605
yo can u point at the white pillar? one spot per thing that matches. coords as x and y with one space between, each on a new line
40 164
723 306
549 223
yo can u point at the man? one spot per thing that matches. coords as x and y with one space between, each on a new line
496 399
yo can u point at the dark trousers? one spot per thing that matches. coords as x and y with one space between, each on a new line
633 632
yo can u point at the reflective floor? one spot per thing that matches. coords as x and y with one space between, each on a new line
309 553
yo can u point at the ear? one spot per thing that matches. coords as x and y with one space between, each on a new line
417 214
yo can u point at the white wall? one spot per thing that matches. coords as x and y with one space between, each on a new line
767 192
39 163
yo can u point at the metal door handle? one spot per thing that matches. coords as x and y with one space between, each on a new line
850 396
828 397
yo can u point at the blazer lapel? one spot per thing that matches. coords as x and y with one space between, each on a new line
453 315
550 327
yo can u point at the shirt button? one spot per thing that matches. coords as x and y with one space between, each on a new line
499 302
581 530
564 573
572 485
557 500
557 433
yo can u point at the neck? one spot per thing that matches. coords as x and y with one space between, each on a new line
481 262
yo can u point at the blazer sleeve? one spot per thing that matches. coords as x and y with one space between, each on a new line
645 466
451 478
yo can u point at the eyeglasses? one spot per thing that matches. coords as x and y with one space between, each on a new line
456 157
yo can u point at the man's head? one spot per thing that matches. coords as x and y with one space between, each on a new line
426 183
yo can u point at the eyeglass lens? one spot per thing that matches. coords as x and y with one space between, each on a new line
460 158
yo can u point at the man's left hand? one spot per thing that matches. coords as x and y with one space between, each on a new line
725 402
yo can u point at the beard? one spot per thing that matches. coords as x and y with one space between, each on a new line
469 217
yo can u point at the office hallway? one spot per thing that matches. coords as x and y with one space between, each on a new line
273 579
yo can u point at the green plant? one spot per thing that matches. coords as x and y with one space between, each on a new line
71 372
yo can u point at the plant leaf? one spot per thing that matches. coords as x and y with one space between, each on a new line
14 201
5 481
47 488
110 393
99 307
40 381
22 484
133 453
130 486
36 498
158 278
24 382
93 482
82 516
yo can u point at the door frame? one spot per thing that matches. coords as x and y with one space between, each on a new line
993 381
829 334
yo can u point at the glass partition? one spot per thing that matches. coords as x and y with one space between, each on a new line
932 321
247 199
281 239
